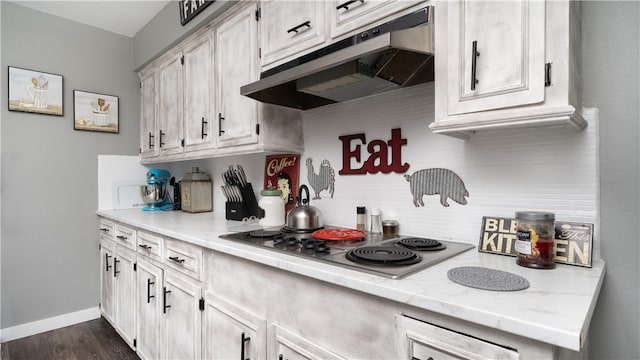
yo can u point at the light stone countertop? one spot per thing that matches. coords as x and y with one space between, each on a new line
556 308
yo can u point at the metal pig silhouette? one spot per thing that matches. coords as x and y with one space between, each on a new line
437 181
325 180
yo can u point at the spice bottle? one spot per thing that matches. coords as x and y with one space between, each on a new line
376 222
361 218
390 228
535 234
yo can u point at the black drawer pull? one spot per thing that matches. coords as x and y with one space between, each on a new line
203 128
149 296
220 118
346 4
474 56
104 229
145 246
164 300
106 261
122 237
115 267
161 135
151 140
176 259
295 28
243 339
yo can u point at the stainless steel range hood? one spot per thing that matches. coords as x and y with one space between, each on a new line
387 57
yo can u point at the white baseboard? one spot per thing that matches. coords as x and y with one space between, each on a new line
56 322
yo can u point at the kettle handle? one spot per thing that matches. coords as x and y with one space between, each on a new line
300 199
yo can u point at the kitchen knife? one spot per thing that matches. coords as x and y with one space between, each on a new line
242 175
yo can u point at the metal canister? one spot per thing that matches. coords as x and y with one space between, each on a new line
535 239
390 227
195 192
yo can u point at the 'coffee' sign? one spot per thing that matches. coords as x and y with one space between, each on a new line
377 154
190 8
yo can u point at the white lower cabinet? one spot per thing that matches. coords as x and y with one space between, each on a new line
149 281
124 294
422 341
230 332
107 250
182 317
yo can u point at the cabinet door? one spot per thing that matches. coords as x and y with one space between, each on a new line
198 78
496 54
149 309
148 143
106 281
170 107
289 28
348 15
182 318
230 332
285 345
125 292
420 340
236 65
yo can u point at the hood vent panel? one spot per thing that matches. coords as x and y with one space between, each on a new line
394 55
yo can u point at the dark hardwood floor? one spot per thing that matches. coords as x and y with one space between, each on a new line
95 339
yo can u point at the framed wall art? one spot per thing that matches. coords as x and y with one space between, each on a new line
95 112
35 92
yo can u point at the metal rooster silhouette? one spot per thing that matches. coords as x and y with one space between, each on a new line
324 180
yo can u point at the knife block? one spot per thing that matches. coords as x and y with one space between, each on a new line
236 210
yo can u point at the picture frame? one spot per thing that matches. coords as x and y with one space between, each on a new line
35 92
95 112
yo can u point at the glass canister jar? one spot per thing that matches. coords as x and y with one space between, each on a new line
535 235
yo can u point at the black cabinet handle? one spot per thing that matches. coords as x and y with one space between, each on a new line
474 56
115 266
220 118
164 300
176 259
149 296
104 229
295 28
161 135
151 144
280 357
203 127
145 246
121 237
346 4
106 261
243 339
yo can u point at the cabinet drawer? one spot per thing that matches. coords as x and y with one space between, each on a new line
150 245
347 16
183 257
107 230
126 236
420 340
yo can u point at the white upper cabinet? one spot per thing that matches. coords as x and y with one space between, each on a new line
349 15
148 143
496 54
506 64
170 107
236 62
198 97
289 28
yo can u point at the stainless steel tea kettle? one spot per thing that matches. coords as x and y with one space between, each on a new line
304 217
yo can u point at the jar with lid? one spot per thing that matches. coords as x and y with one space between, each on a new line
376 222
195 192
361 218
535 235
273 206
390 227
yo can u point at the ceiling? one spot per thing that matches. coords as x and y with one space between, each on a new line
121 17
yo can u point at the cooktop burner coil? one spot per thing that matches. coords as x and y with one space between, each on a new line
383 255
421 244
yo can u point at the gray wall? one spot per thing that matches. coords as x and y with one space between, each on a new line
611 83
165 30
49 171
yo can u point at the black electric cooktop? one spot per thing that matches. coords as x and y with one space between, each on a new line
390 256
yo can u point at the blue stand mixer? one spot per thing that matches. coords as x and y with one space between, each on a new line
155 193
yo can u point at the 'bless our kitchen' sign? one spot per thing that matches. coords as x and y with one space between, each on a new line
190 8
